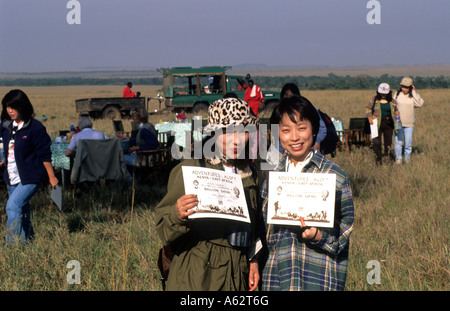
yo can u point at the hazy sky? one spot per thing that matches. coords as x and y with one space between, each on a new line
35 35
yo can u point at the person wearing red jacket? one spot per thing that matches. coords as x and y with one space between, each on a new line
127 91
253 96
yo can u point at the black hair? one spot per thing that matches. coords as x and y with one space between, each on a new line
297 105
230 95
291 87
380 96
18 100
409 90
211 140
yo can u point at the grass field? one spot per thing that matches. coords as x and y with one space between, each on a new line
402 212
374 71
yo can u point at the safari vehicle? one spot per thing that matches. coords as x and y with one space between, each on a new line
194 89
109 108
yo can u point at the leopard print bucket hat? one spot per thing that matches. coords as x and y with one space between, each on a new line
227 112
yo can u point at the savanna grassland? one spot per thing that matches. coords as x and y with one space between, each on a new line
402 212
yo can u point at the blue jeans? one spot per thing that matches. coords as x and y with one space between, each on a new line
130 161
18 225
406 134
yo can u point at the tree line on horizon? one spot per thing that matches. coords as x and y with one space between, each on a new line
329 82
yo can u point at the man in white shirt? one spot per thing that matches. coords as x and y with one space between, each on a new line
85 125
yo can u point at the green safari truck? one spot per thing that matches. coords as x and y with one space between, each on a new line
194 89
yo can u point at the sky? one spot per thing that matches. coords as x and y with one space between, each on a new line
35 36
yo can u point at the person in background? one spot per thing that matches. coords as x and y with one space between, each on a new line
289 90
28 163
212 254
407 100
382 108
86 132
253 96
306 258
242 86
146 138
128 93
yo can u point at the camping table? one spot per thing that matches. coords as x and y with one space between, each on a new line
59 158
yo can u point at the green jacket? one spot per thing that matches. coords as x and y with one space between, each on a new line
204 259
373 110
98 159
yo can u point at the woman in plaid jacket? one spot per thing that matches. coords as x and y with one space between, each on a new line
307 258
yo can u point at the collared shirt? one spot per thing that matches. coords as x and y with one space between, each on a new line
298 167
13 172
86 133
297 264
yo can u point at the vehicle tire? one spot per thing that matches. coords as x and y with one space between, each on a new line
200 109
111 112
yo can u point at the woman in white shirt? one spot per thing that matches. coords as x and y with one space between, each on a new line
407 100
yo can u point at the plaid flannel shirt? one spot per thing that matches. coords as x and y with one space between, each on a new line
297 264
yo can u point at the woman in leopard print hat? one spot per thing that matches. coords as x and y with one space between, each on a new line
226 112
212 254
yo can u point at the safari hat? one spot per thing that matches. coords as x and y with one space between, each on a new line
406 81
226 112
384 88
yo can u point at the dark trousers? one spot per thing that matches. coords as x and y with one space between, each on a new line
386 130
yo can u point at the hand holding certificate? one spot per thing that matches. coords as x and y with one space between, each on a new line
218 194
309 195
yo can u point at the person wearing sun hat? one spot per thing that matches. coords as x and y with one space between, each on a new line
382 108
212 254
407 100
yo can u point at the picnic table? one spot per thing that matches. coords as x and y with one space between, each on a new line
59 159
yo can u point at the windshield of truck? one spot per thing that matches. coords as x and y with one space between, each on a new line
211 84
184 85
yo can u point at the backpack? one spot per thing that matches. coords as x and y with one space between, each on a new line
329 143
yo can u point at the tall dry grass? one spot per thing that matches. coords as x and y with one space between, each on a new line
58 104
402 212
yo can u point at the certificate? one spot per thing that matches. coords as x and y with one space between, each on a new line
220 194
310 195
374 129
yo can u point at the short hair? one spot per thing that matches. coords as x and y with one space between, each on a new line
141 114
291 87
129 84
297 105
84 122
18 100
230 95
